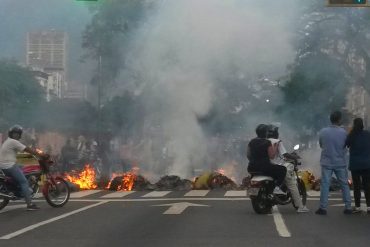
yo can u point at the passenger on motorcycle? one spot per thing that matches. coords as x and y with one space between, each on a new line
8 159
260 152
281 156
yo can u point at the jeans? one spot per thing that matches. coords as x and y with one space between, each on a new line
342 176
361 178
16 173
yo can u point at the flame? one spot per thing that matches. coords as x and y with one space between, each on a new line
86 179
128 180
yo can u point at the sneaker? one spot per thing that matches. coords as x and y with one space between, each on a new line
303 209
321 211
278 191
32 207
347 211
356 210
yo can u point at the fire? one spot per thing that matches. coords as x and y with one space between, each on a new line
127 182
86 179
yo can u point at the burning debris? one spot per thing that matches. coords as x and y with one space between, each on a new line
129 181
214 180
85 179
173 183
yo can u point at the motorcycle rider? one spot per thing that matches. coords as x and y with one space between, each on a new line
8 159
281 156
260 151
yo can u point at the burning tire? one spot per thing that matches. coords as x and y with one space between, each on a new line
57 195
261 204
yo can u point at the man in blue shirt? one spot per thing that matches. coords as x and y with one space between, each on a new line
332 142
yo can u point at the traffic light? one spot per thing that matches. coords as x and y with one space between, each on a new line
348 3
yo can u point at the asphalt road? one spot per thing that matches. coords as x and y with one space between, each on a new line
172 219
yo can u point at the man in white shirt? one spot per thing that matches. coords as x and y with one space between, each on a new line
8 160
290 178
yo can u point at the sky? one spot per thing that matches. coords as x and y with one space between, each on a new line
21 16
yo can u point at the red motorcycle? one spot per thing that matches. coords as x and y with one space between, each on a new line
54 188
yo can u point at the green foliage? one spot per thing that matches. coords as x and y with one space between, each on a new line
20 95
68 116
316 87
106 37
123 114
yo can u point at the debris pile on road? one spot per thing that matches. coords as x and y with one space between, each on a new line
173 183
220 181
214 180
128 181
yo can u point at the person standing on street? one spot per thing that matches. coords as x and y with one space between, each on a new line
358 142
332 141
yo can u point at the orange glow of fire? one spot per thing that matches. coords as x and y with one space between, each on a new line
128 180
86 179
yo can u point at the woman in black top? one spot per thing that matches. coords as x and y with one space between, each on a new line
358 142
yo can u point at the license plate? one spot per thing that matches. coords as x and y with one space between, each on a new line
253 191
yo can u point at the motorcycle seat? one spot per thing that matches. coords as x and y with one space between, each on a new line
260 178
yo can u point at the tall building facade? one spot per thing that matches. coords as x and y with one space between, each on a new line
47 52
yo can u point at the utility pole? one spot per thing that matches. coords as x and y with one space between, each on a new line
99 103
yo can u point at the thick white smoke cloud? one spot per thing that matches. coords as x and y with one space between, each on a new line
185 43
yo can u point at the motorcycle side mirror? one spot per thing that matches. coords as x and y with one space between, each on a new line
296 147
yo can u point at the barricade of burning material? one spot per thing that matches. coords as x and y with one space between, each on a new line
214 180
129 181
85 179
173 183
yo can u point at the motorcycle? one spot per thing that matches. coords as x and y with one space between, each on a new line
261 188
54 188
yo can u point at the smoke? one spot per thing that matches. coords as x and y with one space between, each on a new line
178 56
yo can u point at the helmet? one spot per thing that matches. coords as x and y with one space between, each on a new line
261 130
16 129
273 131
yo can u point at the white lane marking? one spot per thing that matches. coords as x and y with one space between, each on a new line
236 193
38 195
197 193
157 194
12 207
179 207
118 194
313 193
34 226
84 193
280 224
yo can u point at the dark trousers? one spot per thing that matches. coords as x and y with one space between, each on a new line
361 179
277 172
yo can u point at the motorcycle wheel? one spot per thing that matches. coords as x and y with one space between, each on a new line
57 195
302 192
3 201
261 204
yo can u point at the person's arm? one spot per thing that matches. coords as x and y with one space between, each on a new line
31 151
249 153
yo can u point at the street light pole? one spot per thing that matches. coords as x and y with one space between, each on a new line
99 103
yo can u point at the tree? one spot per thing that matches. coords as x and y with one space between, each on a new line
20 95
332 55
